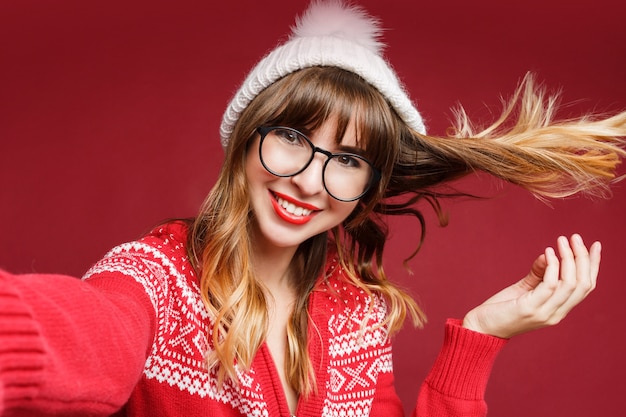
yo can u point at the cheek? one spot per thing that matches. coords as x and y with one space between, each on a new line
343 210
252 154
253 166
256 175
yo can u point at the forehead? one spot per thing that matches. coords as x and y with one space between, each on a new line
338 125
332 132
307 100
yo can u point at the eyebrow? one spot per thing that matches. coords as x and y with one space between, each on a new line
351 149
340 147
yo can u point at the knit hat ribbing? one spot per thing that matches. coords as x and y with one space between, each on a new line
329 33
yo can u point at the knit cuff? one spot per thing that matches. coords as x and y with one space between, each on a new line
22 353
464 364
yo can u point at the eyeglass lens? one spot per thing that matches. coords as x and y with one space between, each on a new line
286 152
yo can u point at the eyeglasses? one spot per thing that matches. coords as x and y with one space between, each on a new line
285 152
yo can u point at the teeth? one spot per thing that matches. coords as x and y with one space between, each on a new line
292 208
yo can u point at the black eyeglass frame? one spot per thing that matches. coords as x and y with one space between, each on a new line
264 130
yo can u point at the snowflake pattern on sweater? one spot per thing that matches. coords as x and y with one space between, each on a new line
354 345
357 354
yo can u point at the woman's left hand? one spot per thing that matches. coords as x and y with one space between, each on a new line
545 296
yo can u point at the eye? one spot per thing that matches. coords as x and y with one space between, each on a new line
289 136
348 161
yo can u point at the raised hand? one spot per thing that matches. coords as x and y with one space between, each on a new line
545 296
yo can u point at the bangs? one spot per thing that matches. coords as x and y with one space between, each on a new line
313 95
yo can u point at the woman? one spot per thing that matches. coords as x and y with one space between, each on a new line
273 300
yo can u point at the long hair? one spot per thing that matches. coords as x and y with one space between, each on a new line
526 146
547 158
219 241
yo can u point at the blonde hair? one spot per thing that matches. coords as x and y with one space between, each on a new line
549 158
525 146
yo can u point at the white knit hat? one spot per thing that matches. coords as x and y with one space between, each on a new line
329 33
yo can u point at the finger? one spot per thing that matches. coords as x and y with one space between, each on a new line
539 266
551 274
581 255
537 307
569 263
595 256
536 274
559 285
545 289
586 270
568 275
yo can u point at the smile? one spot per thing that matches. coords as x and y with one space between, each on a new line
292 211
292 208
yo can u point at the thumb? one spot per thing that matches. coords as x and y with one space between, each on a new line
537 271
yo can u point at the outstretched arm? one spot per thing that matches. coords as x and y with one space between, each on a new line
69 346
545 296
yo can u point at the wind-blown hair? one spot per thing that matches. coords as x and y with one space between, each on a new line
525 147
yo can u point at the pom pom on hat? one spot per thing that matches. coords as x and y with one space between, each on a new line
329 33
333 18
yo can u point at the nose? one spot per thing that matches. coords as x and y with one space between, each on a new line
310 181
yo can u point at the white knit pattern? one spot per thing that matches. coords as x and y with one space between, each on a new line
332 49
177 355
357 347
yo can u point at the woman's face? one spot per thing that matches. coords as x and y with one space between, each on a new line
290 210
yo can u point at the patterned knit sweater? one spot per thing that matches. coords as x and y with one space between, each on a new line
130 340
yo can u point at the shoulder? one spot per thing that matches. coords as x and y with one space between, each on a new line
164 245
170 236
158 261
165 242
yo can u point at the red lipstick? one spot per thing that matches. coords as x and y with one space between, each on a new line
291 217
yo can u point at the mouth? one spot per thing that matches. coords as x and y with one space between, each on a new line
292 211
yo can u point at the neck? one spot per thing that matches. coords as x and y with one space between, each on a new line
271 266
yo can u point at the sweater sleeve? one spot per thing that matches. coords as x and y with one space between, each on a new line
71 347
458 379
455 386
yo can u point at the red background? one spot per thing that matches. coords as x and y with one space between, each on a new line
109 115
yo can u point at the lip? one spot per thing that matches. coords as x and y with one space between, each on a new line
289 217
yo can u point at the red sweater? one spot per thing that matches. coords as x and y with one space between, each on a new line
130 340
